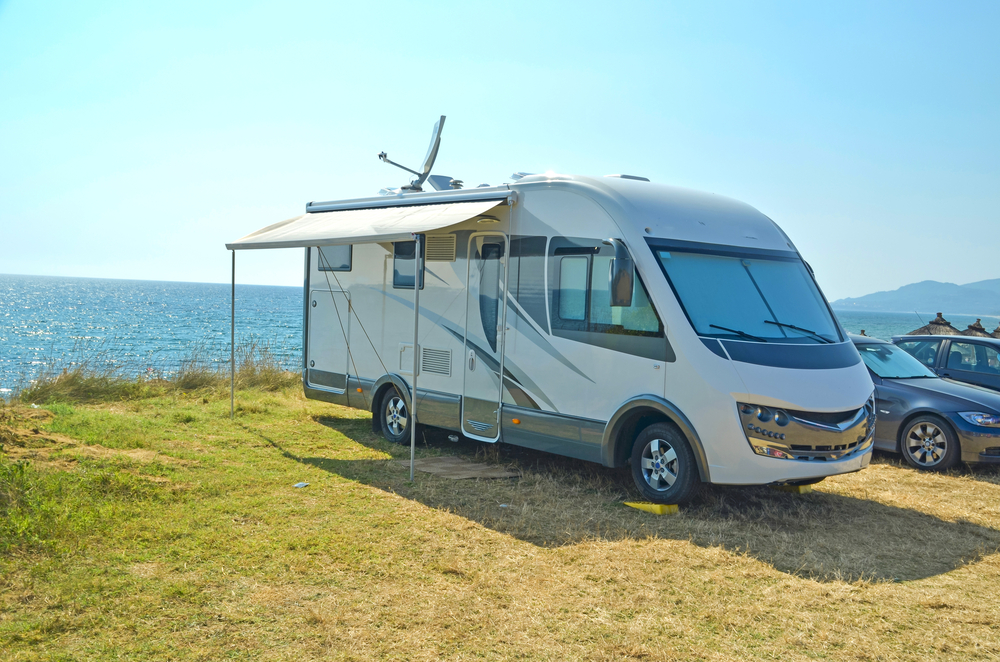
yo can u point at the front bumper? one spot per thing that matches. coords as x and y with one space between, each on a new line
979 444
808 436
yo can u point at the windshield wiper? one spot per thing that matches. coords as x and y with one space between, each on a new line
738 332
799 328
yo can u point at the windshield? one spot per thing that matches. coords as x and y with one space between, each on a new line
890 362
751 296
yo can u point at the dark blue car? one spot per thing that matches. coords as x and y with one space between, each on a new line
935 423
968 359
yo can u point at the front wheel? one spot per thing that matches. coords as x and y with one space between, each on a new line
663 465
929 444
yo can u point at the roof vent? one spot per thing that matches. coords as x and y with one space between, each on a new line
635 177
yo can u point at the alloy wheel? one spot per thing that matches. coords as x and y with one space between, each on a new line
659 464
926 444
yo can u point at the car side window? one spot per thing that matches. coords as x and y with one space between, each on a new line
987 360
962 356
924 351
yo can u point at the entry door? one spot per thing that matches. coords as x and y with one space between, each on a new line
329 332
484 336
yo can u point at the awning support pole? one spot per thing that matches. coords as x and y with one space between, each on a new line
232 343
416 357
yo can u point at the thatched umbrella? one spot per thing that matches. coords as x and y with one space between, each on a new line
996 332
939 326
977 330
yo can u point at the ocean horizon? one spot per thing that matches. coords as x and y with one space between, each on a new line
138 327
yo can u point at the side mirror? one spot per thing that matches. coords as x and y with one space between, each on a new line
621 277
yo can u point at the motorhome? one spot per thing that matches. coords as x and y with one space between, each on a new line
610 319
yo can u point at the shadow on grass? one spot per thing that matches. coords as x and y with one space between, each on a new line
560 501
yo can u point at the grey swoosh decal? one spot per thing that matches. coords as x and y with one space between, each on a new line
511 371
539 340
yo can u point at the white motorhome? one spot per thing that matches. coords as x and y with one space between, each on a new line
608 319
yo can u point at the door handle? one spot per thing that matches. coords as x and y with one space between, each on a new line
472 360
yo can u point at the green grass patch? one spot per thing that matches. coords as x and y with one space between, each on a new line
159 528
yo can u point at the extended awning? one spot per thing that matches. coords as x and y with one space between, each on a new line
361 222
359 226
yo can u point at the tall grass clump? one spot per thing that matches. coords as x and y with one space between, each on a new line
97 378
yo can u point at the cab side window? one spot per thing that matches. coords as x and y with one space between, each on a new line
925 351
580 302
580 292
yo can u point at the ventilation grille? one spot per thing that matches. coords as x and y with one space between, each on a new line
437 361
440 248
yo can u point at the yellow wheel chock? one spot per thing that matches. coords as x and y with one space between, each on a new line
655 508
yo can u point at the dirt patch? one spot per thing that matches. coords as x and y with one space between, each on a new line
458 468
22 437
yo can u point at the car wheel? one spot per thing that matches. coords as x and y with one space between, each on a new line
395 417
663 465
928 443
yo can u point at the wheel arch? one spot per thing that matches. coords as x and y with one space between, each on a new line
636 414
382 384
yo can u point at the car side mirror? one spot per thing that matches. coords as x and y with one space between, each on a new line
621 277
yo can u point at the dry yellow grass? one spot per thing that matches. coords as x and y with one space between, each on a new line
887 564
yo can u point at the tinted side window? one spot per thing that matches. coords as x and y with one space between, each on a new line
991 360
924 351
527 276
403 253
974 358
572 295
580 302
639 317
961 356
335 258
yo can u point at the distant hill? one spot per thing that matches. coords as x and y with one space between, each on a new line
982 298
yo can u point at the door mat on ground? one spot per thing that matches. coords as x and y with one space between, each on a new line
458 468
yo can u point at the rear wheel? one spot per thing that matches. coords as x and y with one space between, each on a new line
395 417
929 444
663 465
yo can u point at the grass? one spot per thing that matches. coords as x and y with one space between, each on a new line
154 527
93 377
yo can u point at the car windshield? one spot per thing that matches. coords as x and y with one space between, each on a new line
755 296
890 362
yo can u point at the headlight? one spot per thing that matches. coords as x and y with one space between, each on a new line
978 418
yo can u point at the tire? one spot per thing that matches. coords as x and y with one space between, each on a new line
663 465
394 417
927 443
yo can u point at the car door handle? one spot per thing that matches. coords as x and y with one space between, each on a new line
472 360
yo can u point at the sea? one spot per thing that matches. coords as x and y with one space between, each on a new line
140 327
137 327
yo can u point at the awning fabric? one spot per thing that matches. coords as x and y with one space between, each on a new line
360 226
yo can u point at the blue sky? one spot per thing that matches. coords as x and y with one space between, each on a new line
137 138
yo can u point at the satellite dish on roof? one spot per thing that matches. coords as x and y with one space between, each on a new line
425 171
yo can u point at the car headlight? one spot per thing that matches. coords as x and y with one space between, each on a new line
978 418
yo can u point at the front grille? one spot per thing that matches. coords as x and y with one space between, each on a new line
993 451
808 436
